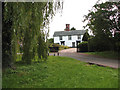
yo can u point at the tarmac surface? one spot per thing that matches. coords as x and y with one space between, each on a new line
91 59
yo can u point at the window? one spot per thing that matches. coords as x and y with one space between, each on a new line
79 37
60 37
69 37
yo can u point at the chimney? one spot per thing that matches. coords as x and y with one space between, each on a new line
67 27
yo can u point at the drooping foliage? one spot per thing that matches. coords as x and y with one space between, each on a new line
24 26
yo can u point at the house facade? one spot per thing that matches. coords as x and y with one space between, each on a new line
70 38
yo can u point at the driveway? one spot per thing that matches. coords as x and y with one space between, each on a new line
88 58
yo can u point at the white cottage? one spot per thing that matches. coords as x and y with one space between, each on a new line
68 37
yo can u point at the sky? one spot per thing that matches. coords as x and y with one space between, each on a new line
73 12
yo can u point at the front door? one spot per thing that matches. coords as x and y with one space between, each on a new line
62 42
73 44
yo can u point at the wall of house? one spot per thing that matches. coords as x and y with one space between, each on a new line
68 42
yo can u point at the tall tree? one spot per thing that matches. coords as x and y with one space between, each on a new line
103 20
24 22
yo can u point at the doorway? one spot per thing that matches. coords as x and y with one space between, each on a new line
73 44
62 42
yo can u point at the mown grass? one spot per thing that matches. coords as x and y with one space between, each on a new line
60 72
106 54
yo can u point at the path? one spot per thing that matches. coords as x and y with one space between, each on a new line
88 58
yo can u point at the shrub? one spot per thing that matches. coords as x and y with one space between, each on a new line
61 47
98 44
83 46
54 47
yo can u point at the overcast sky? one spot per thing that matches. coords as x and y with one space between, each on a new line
73 12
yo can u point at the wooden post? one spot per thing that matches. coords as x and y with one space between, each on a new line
58 53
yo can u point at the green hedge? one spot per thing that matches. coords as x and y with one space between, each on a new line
83 46
61 47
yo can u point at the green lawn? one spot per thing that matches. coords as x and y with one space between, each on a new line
106 54
60 72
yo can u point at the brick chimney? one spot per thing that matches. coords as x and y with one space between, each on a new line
67 27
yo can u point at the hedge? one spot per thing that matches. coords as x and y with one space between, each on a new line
83 46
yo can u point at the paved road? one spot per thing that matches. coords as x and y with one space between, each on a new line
88 58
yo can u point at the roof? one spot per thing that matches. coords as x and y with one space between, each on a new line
66 33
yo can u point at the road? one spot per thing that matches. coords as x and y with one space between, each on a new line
88 58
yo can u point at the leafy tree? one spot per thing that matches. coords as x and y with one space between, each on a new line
24 22
73 28
102 20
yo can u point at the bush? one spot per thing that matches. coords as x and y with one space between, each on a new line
83 47
98 44
61 47
53 47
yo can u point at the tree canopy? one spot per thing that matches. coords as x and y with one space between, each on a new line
73 28
103 20
24 25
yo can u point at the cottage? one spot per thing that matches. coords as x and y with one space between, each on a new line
68 37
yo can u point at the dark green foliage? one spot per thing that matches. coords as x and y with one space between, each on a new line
117 42
83 47
27 54
54 45
102 20
6 40
99 44
42 48
85 36
40 45
73 28
51 40
60 47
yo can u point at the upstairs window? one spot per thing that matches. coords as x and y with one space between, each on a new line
79 36
60 37
69 37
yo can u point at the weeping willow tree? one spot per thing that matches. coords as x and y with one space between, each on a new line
24 23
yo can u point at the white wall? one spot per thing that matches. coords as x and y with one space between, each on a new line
68 42
56 40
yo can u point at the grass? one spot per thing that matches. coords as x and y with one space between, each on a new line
60 72
106 54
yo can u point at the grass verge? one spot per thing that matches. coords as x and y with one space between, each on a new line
106 54
60 72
